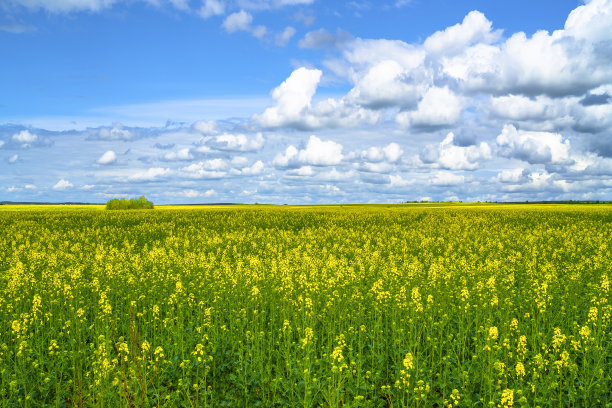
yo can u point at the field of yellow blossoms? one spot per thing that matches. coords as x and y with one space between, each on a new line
356 306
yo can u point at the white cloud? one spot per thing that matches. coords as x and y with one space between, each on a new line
521 108
65 6
449 156
292 97
518 175
396 180
211 8
179 155
205 127
116 132
62 185
365 53
380 167
208 169
270 4
108 157
239 21
533 147
591 21
30 187
1 143
446 178
321 153
293 106
239 161
390 153
188 193
316 153
475 28
440 107
322 38
13 159
335 175
383 85
565 62
15 27
151 174
25 139
180 4
283 38
302 171
591 118
237 142
255 169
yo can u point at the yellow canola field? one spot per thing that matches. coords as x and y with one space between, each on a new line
359 306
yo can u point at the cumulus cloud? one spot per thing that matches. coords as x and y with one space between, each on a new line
446 178
533 147
475 28
13 159
208 169
390 153
316 153
380 167
25 139
439 107
211 8
447 155
523 108
62 184
270 4
64 6
514 176
322 38
565 62
253 170
205 127
383 85
236 142
151 174
241 21
108 157
293 106
292 97
116 132
591 118
179 155
283 37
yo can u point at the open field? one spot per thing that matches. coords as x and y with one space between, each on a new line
361 306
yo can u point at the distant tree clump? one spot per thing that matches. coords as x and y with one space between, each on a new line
122 204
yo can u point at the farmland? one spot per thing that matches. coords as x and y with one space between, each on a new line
360 306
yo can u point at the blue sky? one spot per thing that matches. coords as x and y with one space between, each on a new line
305 101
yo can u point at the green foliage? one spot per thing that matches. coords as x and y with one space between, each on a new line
122 204
390 306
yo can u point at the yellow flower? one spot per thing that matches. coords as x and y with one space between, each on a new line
520 369
507 399
409 361
493 333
